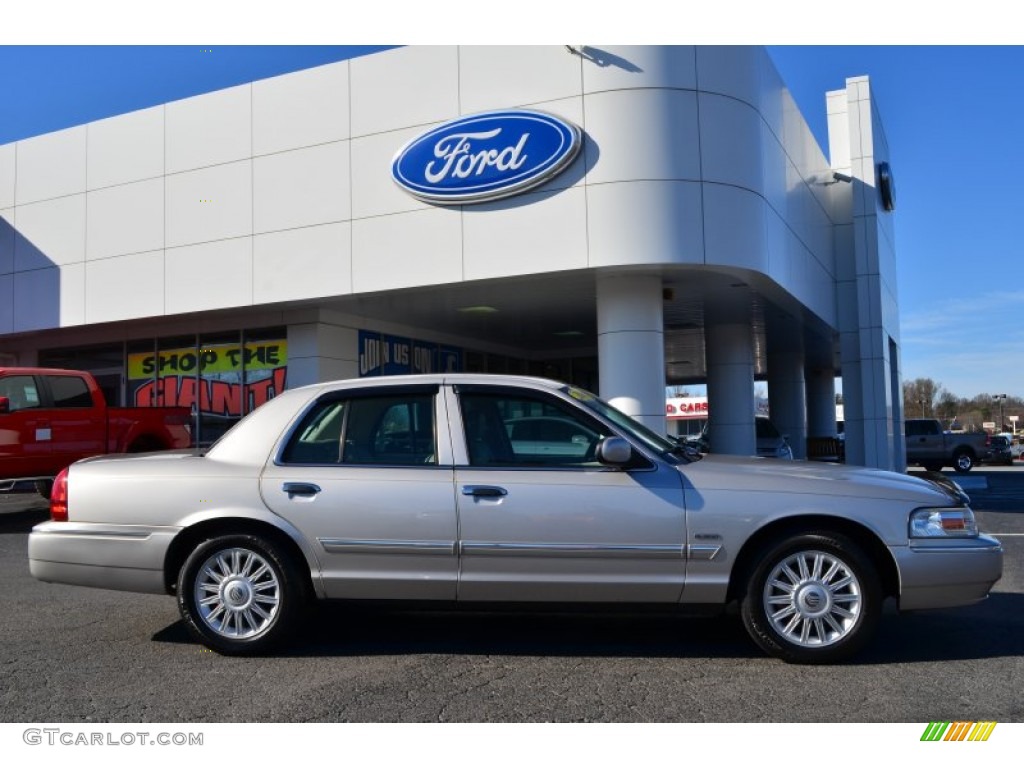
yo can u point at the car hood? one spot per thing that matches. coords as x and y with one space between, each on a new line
716 472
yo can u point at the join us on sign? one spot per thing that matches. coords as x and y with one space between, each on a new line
486 156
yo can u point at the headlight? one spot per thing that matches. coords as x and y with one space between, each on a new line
939 523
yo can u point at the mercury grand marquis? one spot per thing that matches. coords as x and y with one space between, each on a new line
413 488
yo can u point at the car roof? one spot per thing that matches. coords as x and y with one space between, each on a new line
439 379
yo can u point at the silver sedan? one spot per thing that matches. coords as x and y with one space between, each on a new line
415 489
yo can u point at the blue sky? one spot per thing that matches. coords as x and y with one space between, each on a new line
953 118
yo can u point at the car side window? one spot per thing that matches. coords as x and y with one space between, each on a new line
524 430
69 392
386 431
21 391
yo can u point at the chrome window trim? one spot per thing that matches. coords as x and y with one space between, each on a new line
350 393
461 455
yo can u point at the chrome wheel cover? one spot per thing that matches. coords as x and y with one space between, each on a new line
237 593
812 599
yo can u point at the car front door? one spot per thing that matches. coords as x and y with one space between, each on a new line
548 522
367 477
25 435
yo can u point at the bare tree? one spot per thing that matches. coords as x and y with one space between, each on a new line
919 397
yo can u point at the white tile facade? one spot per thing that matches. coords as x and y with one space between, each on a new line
208 276
209 204
128 218
312 149
299 263
52 165
280 191
300 109
126 148
209 130
6 240
50 233
7 175
301 188
106 299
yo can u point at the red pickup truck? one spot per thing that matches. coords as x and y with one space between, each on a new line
50 418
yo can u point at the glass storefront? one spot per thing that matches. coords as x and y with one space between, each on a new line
220 377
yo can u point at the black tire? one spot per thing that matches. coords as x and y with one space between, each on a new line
257 587
963 462
933 466
809 626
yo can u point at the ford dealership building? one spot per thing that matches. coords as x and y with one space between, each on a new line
619 217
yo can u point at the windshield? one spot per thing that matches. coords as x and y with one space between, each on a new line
661 445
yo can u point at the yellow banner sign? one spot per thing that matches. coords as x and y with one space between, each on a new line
209 359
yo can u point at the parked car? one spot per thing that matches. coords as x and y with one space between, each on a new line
52 417
410 489
934 448
999 451
1017 447
771 444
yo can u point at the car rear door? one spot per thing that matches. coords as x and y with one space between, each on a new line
555 524
78 427
367 477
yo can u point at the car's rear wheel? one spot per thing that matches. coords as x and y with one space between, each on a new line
813 598
933 466
240 594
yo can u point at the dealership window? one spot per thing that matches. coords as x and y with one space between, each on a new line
105 363
220 377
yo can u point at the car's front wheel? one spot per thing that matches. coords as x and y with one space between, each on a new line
239 594
812 598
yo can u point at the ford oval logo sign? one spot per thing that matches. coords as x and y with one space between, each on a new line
486 156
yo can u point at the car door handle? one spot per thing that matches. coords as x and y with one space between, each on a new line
300 489
484 491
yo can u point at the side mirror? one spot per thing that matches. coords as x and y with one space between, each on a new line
614 451
5 405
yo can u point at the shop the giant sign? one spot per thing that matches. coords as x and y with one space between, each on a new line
221 389
486 156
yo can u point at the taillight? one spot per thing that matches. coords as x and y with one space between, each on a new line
59 497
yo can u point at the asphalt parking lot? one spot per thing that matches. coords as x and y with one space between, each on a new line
72 654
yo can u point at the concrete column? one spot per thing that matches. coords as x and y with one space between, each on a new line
321 352
729 351
631 346
787 395
821 402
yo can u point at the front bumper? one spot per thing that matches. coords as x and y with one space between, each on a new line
947 573
124 557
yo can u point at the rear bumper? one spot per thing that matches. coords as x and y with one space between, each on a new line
944 574
124 557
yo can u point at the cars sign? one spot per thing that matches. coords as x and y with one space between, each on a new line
486 156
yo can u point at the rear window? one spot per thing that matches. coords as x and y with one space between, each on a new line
69 392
